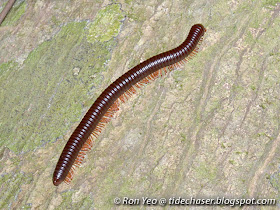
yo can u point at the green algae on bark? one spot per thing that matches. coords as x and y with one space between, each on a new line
106 24
47 92
15 13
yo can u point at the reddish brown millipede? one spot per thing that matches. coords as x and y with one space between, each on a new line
108 102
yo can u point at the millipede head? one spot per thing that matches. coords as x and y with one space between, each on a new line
200 26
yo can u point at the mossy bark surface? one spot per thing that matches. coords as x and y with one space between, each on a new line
207 130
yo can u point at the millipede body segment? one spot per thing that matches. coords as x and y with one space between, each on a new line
108 102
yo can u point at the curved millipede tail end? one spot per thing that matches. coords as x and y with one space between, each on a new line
57 181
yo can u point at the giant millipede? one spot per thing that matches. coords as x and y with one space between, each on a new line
108 102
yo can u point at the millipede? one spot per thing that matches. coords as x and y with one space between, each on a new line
107 104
